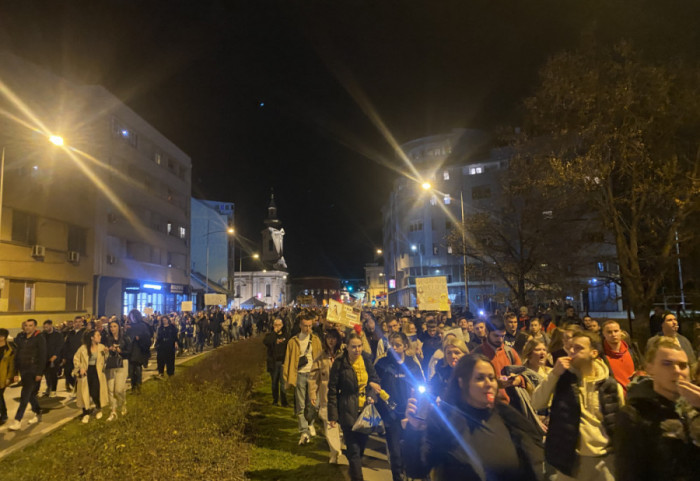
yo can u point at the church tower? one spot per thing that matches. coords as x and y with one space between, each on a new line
273 238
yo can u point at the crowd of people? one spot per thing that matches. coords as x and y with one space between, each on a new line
519 395
97 356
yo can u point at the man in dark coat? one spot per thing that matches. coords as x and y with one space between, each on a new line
30 361
141 336
54 346
73 340
276 343
166 346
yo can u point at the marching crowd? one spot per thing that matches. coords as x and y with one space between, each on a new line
97 356
527 396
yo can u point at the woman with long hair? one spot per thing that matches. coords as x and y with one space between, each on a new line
470 436
116 367
454 349
351 380
318 388
88 369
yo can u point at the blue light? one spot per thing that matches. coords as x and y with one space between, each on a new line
261 104
481 313
156 287
125 133
350 288
421 389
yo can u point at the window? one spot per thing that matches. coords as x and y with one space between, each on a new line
449 249
267 290
21 296
157 158
171 165
446 175
476 170
547 214
436 249
447 199
182 232
77 239
75 297
415 226
270 245
24 227
169 227
433 200
481 192
601 266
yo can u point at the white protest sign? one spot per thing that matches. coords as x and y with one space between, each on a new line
214 299
431 294
186 306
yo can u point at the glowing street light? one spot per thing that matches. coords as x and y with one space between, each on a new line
379 252
56 140
230 230
426 186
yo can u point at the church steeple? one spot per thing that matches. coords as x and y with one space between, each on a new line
272 220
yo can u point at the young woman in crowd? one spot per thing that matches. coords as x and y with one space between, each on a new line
88 369
535 357
469 436
318 388
398 375
116 367
166 346
454 350
351 378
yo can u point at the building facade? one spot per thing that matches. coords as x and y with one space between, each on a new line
97 225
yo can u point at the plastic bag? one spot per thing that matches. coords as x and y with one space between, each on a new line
369 421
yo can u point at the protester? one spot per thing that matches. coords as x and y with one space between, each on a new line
141 335
7 371
535 357
431 339
30 362
54 346
116 367
479 336
500 355
88 368
622 359
470 436
302 349
657 436
73 340
536 331
515 338
351 377
318 388
669 328
166 347
584 400
561 341
276 344
454 350
398 375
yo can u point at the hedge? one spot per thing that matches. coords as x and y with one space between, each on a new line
187 427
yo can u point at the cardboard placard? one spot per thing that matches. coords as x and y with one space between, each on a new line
431 294
186 306
215 299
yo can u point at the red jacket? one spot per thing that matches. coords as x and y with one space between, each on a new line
499 359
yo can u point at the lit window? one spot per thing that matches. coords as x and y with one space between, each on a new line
433 200
157 158
447 199
169 227
183 232
547 214
476 170
449 249
446 175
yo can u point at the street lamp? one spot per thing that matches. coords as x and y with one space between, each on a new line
240 261
426 186
379 252
414 248
54 139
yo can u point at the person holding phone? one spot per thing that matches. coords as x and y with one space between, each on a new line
469 435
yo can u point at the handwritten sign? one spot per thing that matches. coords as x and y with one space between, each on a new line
431 293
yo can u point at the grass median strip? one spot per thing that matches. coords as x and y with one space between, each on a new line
187 427
275 454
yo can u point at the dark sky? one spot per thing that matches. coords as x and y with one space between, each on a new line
199 70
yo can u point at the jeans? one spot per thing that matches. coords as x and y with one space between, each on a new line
278 384
393 447
116 385
68 371
166 359
301 397
51 374
30 389
136 374
355 443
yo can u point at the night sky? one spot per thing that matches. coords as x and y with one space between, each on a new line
282 94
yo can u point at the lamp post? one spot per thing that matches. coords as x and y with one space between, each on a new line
414 248
57 140
240 271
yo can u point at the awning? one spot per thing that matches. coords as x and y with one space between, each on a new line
253 302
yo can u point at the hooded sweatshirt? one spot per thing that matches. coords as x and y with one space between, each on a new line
593 440
621 363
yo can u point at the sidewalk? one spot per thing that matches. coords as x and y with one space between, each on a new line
56 411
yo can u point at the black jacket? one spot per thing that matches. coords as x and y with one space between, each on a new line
30 357
166 338
652 440
397 380
275 350
565 417
124 344
438 383
343 391
141 347
438 447
54 345
72 343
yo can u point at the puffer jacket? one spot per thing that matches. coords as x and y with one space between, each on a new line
343 390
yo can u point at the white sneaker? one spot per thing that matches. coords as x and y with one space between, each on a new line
304 439
85 419
312 430
35 419
112 416
98 415
15 426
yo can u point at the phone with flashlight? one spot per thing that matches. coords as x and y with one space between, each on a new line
422 394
